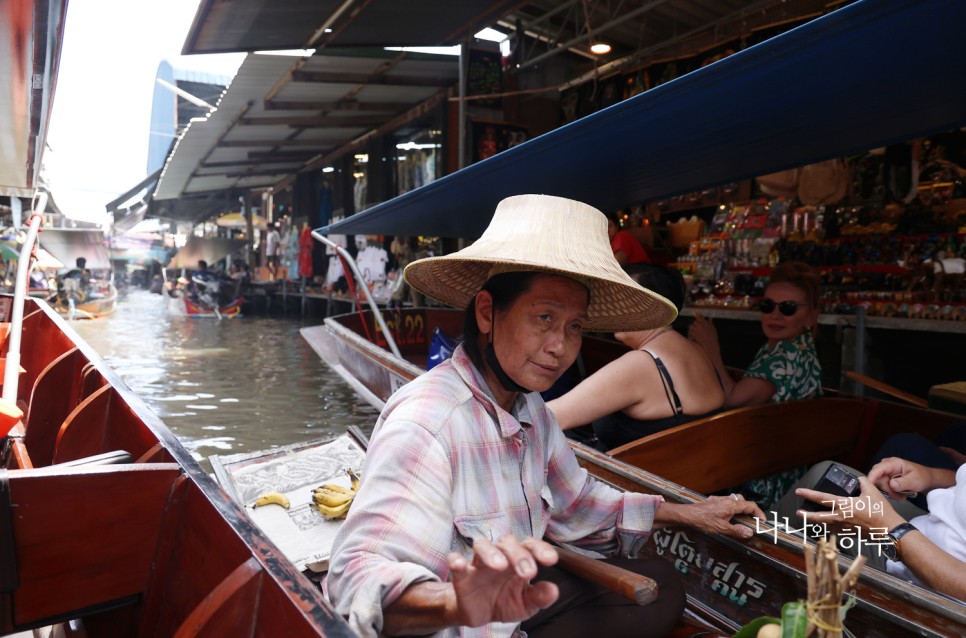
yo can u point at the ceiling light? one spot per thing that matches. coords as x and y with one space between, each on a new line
328 169
600 48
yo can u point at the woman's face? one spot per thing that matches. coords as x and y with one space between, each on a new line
538 337
779 327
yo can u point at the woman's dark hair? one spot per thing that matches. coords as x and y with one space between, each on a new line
667 282
800 275
505 288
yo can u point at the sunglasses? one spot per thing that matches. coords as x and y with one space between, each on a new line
787 308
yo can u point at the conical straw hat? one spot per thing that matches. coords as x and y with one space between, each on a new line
546 234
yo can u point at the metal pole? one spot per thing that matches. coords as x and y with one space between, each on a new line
461 124
376 313
12 370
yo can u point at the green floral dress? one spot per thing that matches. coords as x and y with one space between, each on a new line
793 368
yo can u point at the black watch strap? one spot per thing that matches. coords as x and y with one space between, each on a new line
896 534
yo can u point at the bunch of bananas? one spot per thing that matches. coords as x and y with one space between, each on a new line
332 500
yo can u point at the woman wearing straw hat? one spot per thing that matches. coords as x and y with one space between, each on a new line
467 472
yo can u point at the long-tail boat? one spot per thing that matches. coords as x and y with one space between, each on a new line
108 526
111 528
814 93
728 581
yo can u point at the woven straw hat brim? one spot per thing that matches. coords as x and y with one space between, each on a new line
546 234
614 306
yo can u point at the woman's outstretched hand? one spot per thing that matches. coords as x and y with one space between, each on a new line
495 586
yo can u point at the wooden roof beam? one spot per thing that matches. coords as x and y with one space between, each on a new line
338 105
288 155
321 144
362 78
314 121
405 118
258 162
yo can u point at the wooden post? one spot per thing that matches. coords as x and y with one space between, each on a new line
826 588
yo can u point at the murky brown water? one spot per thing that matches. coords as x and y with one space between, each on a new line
225 387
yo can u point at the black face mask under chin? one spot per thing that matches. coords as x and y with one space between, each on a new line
489 354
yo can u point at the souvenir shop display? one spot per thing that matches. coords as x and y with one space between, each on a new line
880 249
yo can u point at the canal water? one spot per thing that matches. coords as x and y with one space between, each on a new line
225 387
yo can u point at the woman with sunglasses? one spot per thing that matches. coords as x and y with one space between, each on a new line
786 368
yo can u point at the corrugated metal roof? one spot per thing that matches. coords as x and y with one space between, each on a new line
280 113
255 25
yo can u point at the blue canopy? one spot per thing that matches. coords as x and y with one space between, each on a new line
873 73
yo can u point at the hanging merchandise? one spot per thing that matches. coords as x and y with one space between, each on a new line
780 184
823 183
290 251
359 193
372 262
306 244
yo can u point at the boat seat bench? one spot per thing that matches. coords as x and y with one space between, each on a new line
739 445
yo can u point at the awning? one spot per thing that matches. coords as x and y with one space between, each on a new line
138 249
46 261
282 115
222 26
128 211
66 245
8 252
209 249
873 73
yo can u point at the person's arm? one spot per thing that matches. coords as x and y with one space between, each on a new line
617 385
712 515
895 476
935 567
747 391
702 332
494 587
620 248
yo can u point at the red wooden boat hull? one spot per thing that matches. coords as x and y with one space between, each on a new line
151 547
228 311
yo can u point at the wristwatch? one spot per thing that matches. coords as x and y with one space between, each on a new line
892 551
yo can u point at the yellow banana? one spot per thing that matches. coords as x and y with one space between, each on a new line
333 487
333 512
354 478
276 498
331 497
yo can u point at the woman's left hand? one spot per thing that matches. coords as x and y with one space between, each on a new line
712 515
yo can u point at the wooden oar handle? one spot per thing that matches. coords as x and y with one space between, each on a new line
640 589
885 388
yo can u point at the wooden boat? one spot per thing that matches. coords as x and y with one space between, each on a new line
231 310
799 98
730 582
111 528
176 274
100 301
